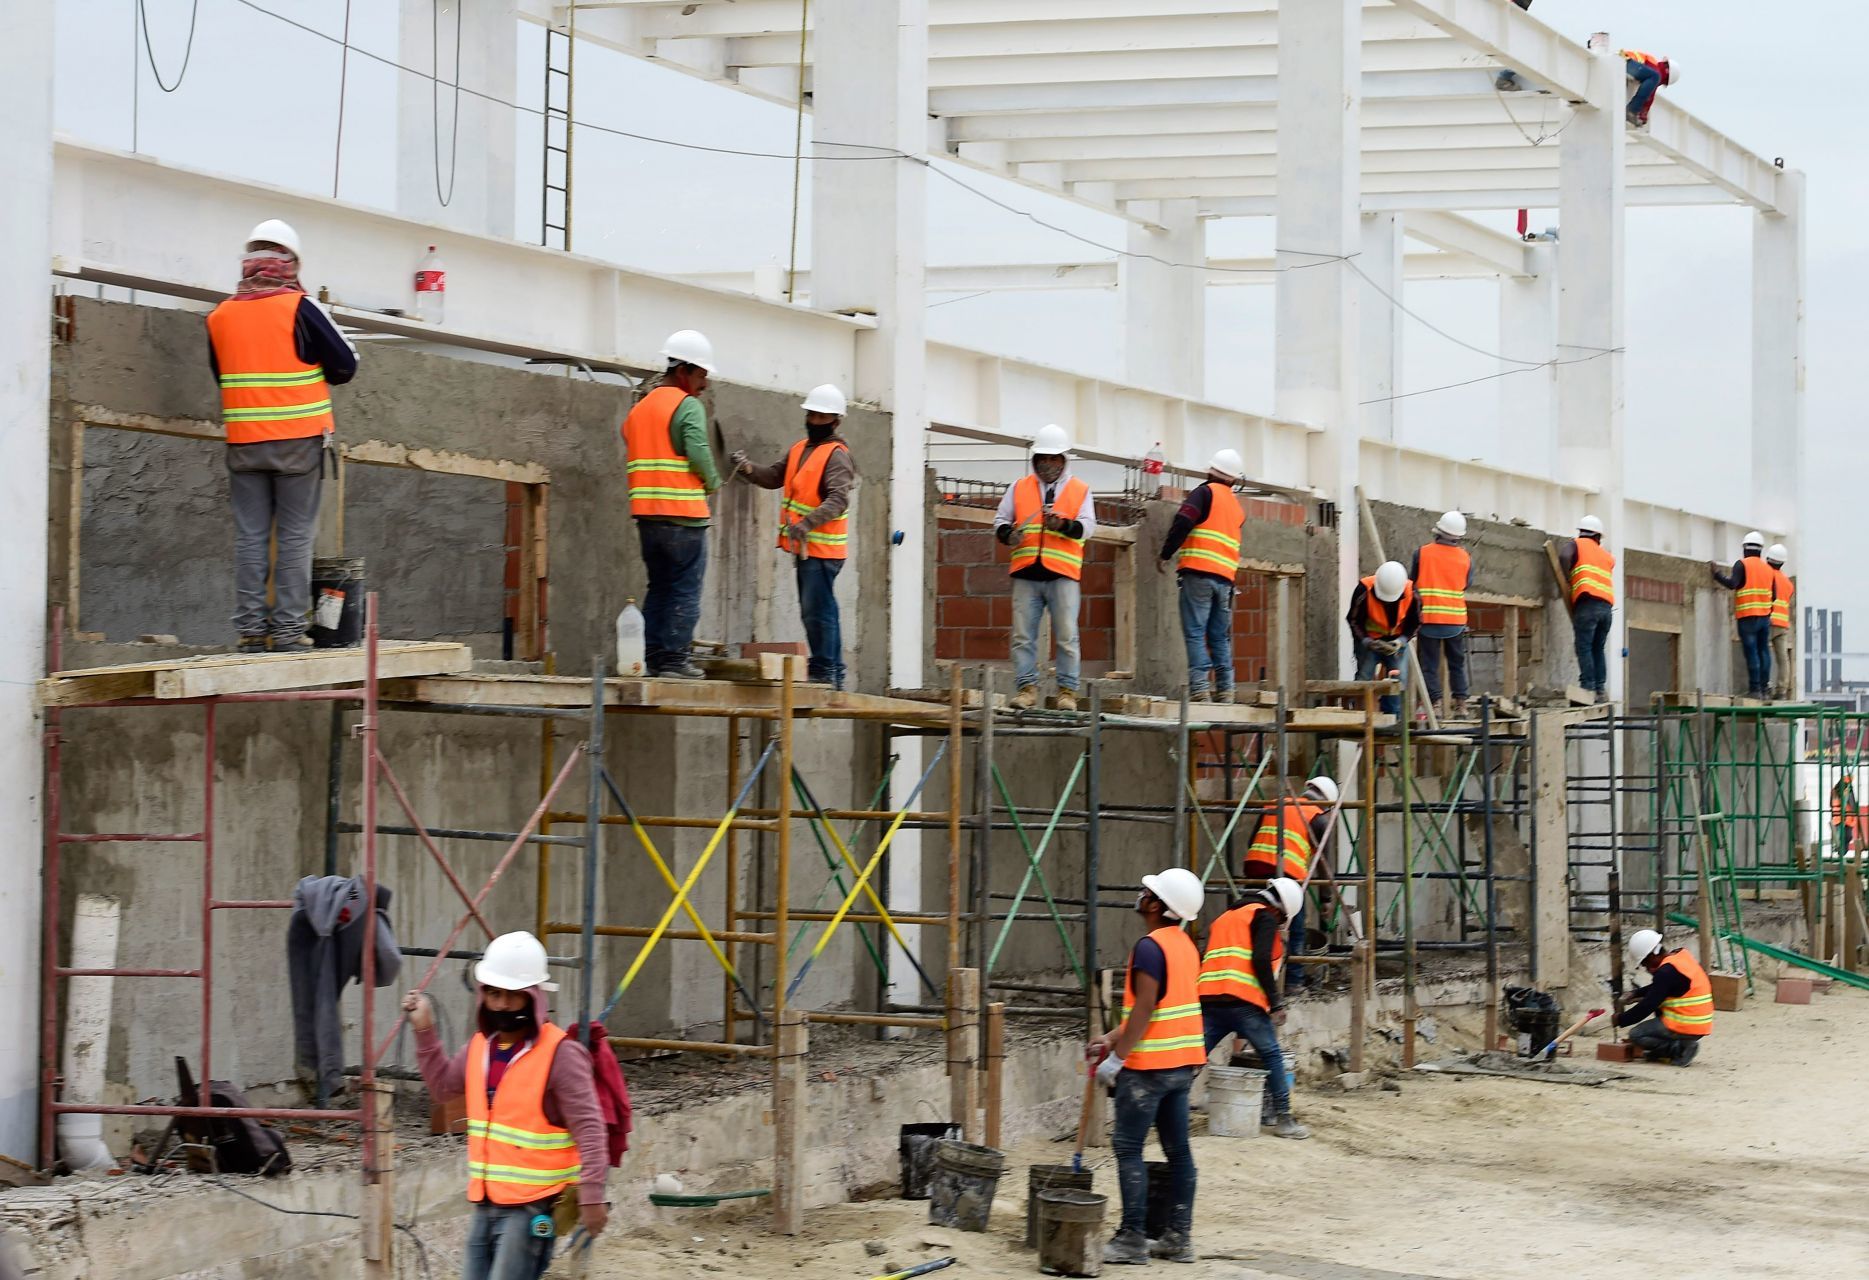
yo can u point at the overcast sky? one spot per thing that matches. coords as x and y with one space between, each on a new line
1776 78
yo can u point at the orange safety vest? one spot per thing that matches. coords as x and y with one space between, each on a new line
1175 1037
1227 969
1754 597
804 492
1442 582
1378 621
1036 543
1691 1014
1781 598
662 482
1646 59
1294 856
267 392
514 1154
1213 545
1594 572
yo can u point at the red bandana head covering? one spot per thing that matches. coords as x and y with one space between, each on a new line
267 271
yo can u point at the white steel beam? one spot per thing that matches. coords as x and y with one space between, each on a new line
1383 260
1163 284
1778 357
1512 37
1264 204
1527 420
1456 234
1170 91
1694 146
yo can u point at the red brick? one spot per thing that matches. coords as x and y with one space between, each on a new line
1099 579
1095 645
1620 1051
950 580
1100 612
965 611
987 580
751 649
985 644
950 643
965 546
999 611
1793 991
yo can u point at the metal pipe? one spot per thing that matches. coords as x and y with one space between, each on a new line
369 742
207 911
593 839
49 895
462 833
334 788
1093 861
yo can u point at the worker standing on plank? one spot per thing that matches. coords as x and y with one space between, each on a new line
534 1124
1649 73
817 475
1158 1047
1240 994
1047 518
1751 582
671 472
1204 542
1385 614
1443 574
1782 591
1289 838
1678 1003
276 355
1591 572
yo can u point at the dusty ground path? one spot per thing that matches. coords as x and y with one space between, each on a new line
1754 1162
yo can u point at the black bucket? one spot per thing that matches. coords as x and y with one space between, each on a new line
917 1145
966 1176
1048 1177
338 586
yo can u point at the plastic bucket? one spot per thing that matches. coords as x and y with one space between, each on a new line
1234 1097
966 1176
337 587
1070 1232
1048 1177
917 1145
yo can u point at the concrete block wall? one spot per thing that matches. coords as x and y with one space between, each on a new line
973 600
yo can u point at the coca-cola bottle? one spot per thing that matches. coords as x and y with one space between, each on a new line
1153 463
431 288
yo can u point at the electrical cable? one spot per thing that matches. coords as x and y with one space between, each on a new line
343 83
421 1246
434 98
188 52
1542 137
1503 373
798 149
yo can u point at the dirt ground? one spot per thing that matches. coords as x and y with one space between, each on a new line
1753 1162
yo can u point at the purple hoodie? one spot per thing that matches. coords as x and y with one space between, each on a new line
570 1094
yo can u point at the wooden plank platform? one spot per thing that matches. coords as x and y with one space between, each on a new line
248 673
680 696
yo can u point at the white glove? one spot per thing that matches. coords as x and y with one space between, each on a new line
1107 1069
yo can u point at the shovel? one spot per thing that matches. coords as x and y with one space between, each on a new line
704 1201
1570 1031
1083 1117
921 1269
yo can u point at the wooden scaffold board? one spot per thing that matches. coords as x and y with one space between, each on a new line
225 673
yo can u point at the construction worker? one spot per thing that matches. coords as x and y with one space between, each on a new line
817 475
1288 840
1385 614
1782 591
1239 988
1591 573
1158 1049
534 1124
1204 542
1443 573
1649 73
1046 517
1677 1003
276 355
1845 815
1751 582
671 472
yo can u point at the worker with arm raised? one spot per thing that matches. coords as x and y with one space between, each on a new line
1443 574
1590 571
1290 838
1750 580
1674 1012
1384 615
1046 517
1204 542
1240 994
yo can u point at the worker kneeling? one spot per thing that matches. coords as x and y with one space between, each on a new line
1240 989
535 1126
1678 1003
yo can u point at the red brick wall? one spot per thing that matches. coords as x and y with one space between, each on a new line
1654 589
1252 627
973 599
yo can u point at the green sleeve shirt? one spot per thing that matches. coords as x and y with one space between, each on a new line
687 430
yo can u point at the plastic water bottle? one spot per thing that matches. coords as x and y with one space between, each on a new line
1153 463
431 288
630 640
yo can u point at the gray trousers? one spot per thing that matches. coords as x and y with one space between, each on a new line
274 486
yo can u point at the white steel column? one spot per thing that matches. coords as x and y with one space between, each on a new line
25 385
1528 397
1383 258
1778 360
868 254
1165 307
1319 186
470 169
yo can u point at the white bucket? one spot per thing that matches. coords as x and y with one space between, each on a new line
1233 1099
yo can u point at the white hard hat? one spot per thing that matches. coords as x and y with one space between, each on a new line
1323 788
826 399
1051 439
1180 891
1753 539
1453 524
1590 524
1776 553
1289 893
1643 943
1391 581
1227 463
1674 71
687 346
273 231
514 962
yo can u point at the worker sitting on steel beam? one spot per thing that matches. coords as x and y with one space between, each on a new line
1157 1049
817 476
1750 580
1240 993
276 355
1384 616
1443 574
1782 591
671 472
1204 542
1289 839
1591 572
1678 1003
1649 73
1047 518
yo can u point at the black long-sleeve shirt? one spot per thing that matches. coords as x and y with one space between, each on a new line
1194 510
1264 935
1358 616
1668 983
1735 579
316 340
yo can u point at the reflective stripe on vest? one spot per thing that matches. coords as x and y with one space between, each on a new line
1378 622
1781 598
1691 1014
804 493
1293 858
662 482
1594 572
1754 597
1213 545
1442 584
1227 968
1039 545
514 1154
1176 1037
267 392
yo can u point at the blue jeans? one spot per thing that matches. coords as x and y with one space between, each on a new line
1207 626
1647 80
1589 621
501 1246
1755 638
1369 662
1455 646
676 557
1652 1037
1030 599
823 632
1158 1100
1252 1025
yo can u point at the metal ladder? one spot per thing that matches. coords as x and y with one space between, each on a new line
560 47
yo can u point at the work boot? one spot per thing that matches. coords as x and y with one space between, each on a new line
1687 1053
1602 697
1025 699
1459 710
1174 1246
253 644
1197 695
681 670
1066 700
285 644
1223 695
1127 1247
1286 1127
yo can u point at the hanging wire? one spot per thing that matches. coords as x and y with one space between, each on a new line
188 52
1503 373
434 98
798 149
343 82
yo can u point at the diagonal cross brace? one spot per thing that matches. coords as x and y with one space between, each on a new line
1032 857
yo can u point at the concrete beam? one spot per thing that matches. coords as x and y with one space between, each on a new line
1455 234
1527 422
